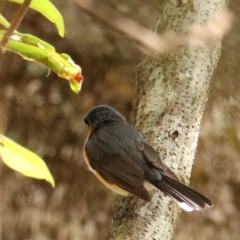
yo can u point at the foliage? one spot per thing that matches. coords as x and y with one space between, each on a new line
46 8
32 48
23 160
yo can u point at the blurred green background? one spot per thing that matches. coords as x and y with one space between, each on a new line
43 114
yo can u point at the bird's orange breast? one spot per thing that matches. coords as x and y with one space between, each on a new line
85 152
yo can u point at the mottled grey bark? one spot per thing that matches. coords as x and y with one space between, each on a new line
171 92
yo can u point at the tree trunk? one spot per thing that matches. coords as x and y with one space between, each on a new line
171 92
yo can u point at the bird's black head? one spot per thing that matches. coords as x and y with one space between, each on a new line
102 114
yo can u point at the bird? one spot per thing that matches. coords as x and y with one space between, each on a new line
124 162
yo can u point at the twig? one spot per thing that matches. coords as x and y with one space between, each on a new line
14 24
214 28
120 23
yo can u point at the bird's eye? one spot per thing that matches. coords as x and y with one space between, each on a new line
86 122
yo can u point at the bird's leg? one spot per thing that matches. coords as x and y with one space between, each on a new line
123 212
125 205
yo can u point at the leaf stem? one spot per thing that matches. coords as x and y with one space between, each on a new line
14 24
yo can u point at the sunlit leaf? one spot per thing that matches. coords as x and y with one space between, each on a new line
46 8
23 160
34 49
4 22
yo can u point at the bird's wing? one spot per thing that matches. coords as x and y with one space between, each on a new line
117 169
153 158
168 182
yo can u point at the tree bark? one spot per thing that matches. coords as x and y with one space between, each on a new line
171 93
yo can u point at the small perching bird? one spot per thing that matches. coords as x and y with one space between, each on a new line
122 160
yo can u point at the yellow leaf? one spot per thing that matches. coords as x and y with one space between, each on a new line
23 160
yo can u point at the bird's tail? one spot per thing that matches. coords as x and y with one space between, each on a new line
187 198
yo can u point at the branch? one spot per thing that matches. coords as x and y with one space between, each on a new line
14 24
216 26
170 97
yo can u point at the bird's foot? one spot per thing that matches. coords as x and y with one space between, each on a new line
122 214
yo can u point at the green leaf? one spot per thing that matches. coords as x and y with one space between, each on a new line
4 22
46 8
23 160
34 49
